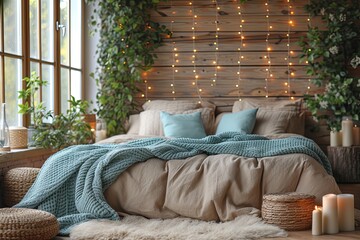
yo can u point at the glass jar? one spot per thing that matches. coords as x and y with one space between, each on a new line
4 131
100 132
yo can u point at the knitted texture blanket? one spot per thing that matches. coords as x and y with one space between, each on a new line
71 183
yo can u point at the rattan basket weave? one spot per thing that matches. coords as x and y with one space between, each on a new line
27 224
16 183
18 137
290 211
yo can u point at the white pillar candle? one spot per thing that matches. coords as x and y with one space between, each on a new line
346 213
335 139
330 214
356 135
100 135
316 228
346 127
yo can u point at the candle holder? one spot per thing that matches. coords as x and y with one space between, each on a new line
100 132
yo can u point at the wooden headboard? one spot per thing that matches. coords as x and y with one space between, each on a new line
264 63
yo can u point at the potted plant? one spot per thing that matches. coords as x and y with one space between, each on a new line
31 106
333 57
50 130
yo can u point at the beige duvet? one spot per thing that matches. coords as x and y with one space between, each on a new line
218 187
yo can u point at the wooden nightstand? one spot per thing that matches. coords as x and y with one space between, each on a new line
345 162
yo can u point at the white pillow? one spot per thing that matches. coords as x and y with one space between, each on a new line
134 124
150 123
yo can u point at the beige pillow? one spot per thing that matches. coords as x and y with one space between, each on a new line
150 122
275 116
168 105
134 124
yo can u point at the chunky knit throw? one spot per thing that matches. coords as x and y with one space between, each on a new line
71 183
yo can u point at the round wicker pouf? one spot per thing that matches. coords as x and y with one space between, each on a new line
16 183
26 224
289 211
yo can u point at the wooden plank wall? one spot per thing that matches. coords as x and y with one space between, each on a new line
173 77
180 73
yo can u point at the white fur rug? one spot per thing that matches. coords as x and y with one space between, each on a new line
139 228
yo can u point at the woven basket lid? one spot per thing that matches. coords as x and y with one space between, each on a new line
288 197
290 211
27 224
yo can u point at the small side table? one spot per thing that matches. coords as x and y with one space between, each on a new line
345 163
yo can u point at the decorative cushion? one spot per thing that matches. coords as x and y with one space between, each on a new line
168 105
26 224
238 121
183 125
150 123
16 183
275 116
134 124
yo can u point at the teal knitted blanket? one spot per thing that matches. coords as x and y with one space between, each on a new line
72 181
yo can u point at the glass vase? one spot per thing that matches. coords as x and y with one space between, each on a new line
4 131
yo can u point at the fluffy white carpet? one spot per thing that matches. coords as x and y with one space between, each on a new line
139 228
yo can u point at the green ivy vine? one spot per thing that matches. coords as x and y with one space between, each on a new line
128 38
333 55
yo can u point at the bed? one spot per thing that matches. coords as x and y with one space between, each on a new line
214 169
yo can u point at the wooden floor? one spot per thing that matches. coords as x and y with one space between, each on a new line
300 235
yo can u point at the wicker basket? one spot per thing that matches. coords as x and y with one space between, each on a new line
27 224
16 183
18 137
290 211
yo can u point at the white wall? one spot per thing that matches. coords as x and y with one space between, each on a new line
90 87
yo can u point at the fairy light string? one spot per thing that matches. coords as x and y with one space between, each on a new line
290 73
268 50
194 58
175 56
240 55
309 79
216 44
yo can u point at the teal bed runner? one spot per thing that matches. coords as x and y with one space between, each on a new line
71 183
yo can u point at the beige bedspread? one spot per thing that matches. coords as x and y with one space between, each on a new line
218 187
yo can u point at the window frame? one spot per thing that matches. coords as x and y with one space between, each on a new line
26 59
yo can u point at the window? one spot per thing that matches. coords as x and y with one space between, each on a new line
45 36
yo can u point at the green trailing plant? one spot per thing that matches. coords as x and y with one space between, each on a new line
128 38
50 130
333 55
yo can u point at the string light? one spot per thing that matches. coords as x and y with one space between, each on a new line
240 56
147 87
193 28
216 44
175 58
268 50
290 73
308 87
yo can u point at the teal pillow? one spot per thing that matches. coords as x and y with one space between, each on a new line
238 121
183 125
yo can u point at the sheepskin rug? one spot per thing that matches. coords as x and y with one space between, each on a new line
140 228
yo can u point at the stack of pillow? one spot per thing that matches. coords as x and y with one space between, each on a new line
185 118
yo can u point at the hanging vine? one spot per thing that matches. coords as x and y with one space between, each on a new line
128 38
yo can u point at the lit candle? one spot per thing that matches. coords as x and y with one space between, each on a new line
316 228
330 214
346 214
356 135
346 127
